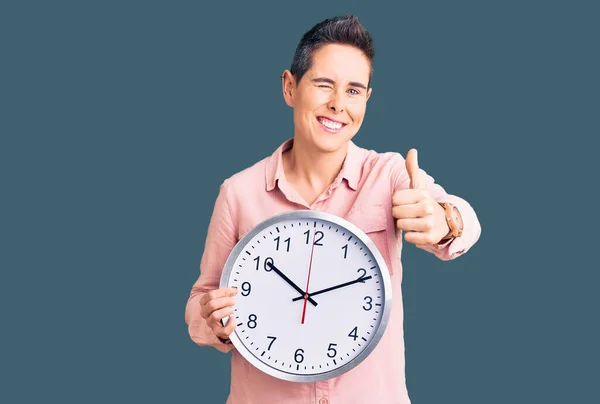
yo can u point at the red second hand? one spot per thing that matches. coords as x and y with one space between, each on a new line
308 280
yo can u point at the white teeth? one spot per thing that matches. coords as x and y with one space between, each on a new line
331 125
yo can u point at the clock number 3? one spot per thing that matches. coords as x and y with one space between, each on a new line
369 300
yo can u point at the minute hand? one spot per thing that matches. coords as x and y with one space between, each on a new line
361 279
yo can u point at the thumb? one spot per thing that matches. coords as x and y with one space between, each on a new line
412 167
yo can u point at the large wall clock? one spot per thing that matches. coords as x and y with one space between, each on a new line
314 295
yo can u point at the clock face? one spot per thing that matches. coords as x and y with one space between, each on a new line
313 296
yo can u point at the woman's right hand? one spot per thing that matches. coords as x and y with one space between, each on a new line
216 305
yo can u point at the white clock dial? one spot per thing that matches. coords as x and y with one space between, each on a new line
313 295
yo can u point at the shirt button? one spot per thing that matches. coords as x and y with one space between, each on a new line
323 401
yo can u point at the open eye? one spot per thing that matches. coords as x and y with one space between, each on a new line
354 91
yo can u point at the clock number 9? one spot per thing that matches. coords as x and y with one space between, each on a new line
298 357
332 349
369 300
252 321
246 287
267 260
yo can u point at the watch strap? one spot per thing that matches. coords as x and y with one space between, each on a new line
454 231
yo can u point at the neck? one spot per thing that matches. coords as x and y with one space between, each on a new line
313 168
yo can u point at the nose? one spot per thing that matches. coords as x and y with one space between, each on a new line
335 103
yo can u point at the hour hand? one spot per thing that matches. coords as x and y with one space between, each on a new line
361 279
292 284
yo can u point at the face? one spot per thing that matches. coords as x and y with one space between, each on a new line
330 100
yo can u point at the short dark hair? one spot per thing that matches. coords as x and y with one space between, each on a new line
344 30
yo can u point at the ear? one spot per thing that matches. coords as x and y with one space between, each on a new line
369 91
288 86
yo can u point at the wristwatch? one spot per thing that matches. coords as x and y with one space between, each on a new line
454 220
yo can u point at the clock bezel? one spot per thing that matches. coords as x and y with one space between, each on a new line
387 290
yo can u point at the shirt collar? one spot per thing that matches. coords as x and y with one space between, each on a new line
351 169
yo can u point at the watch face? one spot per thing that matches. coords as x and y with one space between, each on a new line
457 217
313 296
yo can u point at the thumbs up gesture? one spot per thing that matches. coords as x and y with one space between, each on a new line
416 212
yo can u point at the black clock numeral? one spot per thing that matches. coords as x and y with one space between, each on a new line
354 333
287 240
298 357
246 287
364 272
252 321
318 234
369 300
317 238
267 260
271 343
331 352
345 248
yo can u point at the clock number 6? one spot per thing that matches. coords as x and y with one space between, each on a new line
298 354
331 349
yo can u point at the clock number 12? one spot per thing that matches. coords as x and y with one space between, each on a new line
318 237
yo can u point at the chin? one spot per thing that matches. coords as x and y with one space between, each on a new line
329 143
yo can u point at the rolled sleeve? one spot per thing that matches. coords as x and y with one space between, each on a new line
455 247
220 239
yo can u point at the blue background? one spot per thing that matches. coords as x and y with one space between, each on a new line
119 121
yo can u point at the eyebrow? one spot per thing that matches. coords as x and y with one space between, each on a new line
326 80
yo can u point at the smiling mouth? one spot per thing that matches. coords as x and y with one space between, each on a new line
330 125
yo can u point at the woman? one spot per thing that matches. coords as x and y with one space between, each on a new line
320 168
